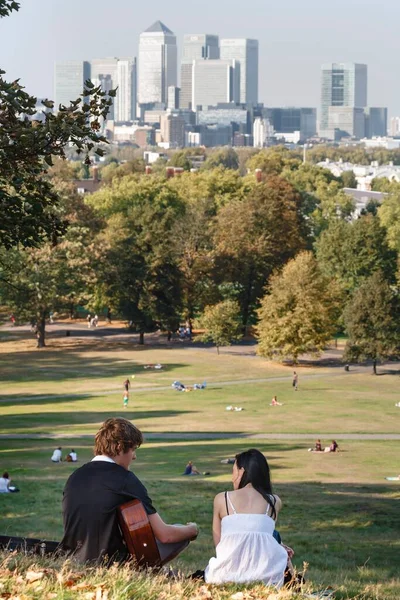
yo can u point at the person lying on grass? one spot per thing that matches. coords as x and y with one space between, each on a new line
94 491
244 533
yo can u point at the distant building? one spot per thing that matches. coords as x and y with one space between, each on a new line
145 136
157 64
375 122
172 127
245 52
346 121
173 97
242 139
394 128
225 115
214 82
120 74
343 84
213 136
69 79
288 120
195 47
262 132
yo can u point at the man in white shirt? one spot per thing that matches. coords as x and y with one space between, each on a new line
57 455
4 483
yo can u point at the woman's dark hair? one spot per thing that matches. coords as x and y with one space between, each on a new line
256 472
5 475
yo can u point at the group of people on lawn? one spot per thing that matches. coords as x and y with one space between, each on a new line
248 547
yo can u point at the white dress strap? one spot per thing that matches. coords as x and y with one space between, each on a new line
230 503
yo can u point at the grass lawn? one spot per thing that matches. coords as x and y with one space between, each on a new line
340 514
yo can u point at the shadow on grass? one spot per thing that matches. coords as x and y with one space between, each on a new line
51 422
71 363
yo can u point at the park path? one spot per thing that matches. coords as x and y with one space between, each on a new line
334 372
193 436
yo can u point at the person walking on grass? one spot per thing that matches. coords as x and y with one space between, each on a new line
295 381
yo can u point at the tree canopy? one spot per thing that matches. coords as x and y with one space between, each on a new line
299 313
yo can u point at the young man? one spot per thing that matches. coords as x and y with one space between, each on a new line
95 490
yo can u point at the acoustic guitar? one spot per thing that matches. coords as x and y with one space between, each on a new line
137 533
140 540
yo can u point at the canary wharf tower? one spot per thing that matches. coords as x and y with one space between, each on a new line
157 64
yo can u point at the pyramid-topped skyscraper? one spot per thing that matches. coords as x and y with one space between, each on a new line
157 64
158 27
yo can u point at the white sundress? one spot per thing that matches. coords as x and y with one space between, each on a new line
247 551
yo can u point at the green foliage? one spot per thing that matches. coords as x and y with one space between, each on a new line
349 179
372 320
7 7
180 159
300 311
273 161
256 235
34 281
225 157
389 217
351 251
27 149
222 323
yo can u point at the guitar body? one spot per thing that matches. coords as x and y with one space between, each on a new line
138 534
140 539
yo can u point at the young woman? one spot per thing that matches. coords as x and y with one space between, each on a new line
243 526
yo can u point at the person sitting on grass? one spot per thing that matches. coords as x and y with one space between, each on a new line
72 456
57 455
274 402
5 483
93 493
317 448
333 447
190 469
244 529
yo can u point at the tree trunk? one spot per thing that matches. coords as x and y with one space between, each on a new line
169 336
217 349
374 367
41 331
141 338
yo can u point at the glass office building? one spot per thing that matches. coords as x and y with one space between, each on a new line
245 52
343 84
157 64
69 79
195 47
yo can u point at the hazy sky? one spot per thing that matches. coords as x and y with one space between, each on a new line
296 37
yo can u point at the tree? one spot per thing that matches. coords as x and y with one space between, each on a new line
180 159
349 180
299 313
273 161
351 251
222 323
27 148
139 273
389 217
372 320
225 157
34 281
256 235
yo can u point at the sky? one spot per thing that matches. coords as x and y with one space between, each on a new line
295 37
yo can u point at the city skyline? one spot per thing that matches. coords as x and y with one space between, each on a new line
289 65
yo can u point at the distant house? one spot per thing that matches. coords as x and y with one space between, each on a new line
88 186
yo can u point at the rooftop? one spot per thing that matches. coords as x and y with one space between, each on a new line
158 27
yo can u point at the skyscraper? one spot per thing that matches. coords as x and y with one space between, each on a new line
157 64
215 82
69 79
119 73
195 47
343 84
245 51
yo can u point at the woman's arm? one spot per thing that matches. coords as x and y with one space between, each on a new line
166 534
278 506
216 525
